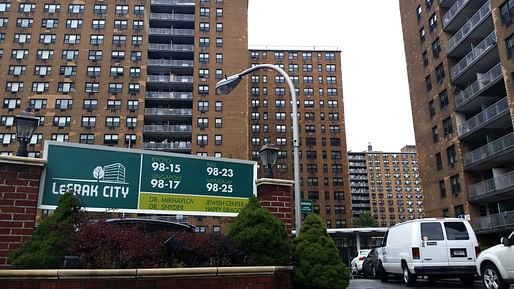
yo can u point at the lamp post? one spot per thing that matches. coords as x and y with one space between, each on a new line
226 85
268 154
26 123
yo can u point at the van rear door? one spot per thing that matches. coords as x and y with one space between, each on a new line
433 244
461 248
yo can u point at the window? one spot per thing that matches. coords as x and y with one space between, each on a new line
100 9
47 38
117 55
121 10
88 121
219 42
112 121
135 72
38 104
131 122
22 22
22 38
218 139
307 67
219 12
435 134
205 12
330 68
132 105
456 231
428 82
432 22
138 25
5 7
92 87
203 106
87 138
439 73
90 104
455 183
136 56
205 26
438 161
117 40
137 40
40 87
45 54
419 11
203 89
4 21
115 88
19 54
202 122
139 10
17 70
134 88
63 104
7 138
114 105
219 27
452 155
219 58
27 7
436 48
70 55
422 34
14 86
507 11
116 71
98 24
218 106
202 140
75 8
432 231
111 139
66 87
73 23
204 57
95 55
49 23
12 103
62 121
447 126
204 42
68 70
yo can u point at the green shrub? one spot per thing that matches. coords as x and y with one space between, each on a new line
260 235
51 240
317 264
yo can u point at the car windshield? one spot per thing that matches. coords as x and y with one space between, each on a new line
364 252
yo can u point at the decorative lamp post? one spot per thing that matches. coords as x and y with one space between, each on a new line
26 123
268 154
225 86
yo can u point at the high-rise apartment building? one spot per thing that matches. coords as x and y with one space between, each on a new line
138 74
316 75
459 61
142 74
387 185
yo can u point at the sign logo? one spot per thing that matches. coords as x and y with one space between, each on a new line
108 182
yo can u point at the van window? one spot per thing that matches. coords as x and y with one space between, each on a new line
456 231
432 231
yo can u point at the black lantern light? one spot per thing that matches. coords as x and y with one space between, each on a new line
268 154
26 123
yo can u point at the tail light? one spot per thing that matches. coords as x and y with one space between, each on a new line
477 251
362 258
415 253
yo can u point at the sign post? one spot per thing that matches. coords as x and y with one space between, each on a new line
306 206
137 181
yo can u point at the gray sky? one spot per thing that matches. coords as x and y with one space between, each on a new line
369 35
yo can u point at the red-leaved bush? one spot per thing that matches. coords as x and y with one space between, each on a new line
103 245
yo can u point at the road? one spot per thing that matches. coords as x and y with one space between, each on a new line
393 284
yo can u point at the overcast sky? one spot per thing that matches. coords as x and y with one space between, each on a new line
369 35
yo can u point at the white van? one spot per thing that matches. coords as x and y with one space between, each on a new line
433 247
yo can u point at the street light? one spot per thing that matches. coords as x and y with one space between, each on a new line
268 154
226 85
26 123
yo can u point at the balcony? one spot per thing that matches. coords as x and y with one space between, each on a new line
492 190
481 57
459 13
497 222
169 78
168 82
469 99
166 66
490 118
162 95
158 129
475 28
170 32
493 154
180 146
172 17
173 2
169 113
357 164
446 3
159 47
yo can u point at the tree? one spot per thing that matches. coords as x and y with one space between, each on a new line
51 239
317 264
366 220
260 235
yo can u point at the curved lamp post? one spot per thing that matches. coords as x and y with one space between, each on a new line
26 123
225 86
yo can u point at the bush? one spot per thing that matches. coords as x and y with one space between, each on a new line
316 258
260 235
103 245
51 240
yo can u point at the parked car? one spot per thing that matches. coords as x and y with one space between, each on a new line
496 264
432 247
370 264
356 264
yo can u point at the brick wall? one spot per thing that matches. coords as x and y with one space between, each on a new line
276 196
19 187
267 277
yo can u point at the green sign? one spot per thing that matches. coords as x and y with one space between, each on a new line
306 206
127 180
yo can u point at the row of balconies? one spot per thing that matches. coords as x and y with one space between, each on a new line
172 17
162 47
173 96
176 128
486 118
168 146
170 32
172 2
